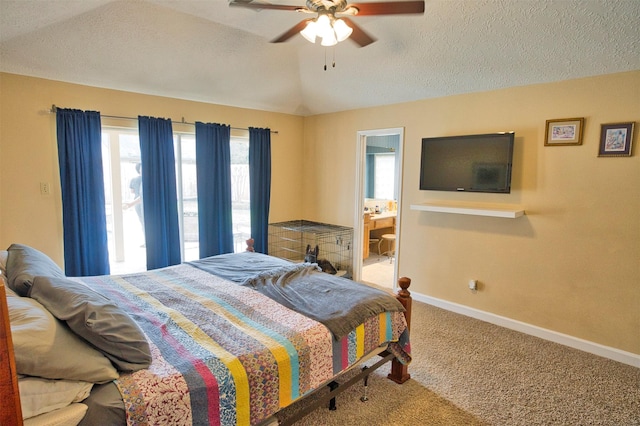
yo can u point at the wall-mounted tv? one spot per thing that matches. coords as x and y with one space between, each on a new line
473 163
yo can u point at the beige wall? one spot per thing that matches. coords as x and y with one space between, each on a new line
28 150
571 265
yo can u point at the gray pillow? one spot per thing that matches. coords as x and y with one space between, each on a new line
95 318
45 347
24 263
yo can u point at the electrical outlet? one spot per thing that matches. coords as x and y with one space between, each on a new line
473 285
45 188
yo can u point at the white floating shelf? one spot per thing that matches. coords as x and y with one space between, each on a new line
507 211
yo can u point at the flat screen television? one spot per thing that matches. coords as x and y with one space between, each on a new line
473 163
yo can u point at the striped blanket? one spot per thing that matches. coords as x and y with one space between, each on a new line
226 354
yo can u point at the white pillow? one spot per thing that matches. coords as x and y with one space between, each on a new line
67 416
39 396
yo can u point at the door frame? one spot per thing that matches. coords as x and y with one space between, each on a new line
358 228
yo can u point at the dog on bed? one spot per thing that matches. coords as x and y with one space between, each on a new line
311 256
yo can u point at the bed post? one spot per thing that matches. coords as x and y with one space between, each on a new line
11 411
399 372
250 243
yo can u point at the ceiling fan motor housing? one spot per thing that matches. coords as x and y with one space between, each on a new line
337 5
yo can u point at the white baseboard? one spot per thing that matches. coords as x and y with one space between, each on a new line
553 336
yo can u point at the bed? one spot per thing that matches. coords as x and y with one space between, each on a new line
230 339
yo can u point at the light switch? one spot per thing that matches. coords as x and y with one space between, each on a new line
45 188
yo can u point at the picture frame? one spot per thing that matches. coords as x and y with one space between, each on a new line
564 131
616 139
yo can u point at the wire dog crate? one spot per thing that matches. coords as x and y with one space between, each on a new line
289 240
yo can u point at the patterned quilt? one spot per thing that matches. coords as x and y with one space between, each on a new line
226 354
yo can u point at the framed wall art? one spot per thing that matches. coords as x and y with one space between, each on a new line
616 140
565 131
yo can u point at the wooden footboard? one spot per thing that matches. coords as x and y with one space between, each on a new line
399 372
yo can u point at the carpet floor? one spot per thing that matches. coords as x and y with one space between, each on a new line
469 372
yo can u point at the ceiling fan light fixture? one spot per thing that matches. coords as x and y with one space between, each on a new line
329 38
323 26
310 31
342 30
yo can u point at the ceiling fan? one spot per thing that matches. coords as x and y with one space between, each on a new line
331 23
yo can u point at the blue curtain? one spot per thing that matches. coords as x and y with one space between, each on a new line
160 199
83 212
260 186
213 171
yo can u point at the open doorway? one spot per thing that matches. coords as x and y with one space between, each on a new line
377 221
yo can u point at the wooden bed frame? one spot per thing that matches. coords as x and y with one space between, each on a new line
11 411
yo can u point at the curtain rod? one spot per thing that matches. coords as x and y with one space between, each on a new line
54 109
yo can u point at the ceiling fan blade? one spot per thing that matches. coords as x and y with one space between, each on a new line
292 31
388 8
358 35
258 6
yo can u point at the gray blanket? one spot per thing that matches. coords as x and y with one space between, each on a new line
296 285
240 267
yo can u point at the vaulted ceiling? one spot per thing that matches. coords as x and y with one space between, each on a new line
206 51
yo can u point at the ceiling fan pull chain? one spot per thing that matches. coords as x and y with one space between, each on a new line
333 63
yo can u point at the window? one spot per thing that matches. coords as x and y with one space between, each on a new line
125 231
125 221
384 180
381 164
240 192
187 189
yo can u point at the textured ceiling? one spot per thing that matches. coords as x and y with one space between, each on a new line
206 51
